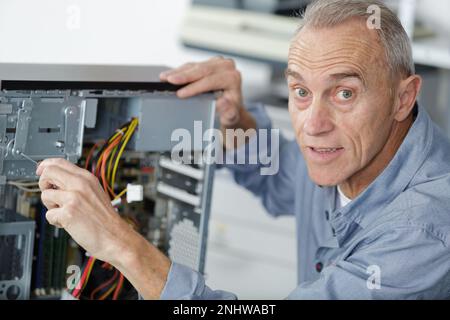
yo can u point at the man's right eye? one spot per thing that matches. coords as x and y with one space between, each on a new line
302 93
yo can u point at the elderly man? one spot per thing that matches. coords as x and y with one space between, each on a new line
368 178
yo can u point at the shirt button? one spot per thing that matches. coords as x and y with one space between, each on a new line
327 215
319 267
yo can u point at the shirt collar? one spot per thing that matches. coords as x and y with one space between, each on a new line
368 206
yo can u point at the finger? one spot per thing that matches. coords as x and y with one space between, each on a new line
165 74
230 117
63 163
58 198
188 75
201 70
55 217
216 81
223 104
51 199
53 176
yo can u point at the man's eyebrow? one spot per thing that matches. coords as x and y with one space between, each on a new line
292 73
344 75
336 77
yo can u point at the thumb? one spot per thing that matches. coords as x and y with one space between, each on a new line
228 111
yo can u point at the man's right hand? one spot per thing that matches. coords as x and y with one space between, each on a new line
216 74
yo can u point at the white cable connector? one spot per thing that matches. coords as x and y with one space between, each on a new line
135 193
116 202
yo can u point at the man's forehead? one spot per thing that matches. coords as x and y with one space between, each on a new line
316 48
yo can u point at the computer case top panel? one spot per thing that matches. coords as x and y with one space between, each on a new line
14 76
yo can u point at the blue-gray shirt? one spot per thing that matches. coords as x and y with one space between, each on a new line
391 242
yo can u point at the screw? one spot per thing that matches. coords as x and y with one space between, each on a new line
59 144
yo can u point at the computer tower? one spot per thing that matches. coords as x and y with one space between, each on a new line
63 111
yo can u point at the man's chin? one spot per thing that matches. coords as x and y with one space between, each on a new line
325 179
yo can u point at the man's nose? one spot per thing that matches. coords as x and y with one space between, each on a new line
318 121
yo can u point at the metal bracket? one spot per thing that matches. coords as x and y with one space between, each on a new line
23 123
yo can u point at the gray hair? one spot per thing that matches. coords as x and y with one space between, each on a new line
392 35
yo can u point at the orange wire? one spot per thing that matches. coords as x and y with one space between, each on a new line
91 152
102 171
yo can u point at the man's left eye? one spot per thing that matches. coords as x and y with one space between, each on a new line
345 94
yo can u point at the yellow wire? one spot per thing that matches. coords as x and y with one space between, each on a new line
129 133
121 194
113 153
121 131
111 157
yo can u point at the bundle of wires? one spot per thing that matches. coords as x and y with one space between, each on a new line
104 164
112 286
27 186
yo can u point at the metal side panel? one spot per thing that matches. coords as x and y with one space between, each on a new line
164 121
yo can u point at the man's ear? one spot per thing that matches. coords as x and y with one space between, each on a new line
407 95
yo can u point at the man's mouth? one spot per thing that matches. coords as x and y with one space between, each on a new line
324 155
326 150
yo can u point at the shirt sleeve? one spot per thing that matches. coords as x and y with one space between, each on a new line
271 162
183 283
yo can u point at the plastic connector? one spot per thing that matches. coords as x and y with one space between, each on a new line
116 202
135 193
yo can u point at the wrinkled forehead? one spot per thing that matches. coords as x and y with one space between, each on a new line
350 45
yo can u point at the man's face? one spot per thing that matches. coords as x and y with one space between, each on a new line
339 99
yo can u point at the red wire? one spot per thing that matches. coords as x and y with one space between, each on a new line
104 285
83 277
118 288
91 152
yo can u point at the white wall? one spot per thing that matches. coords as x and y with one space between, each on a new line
109 31
435 13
